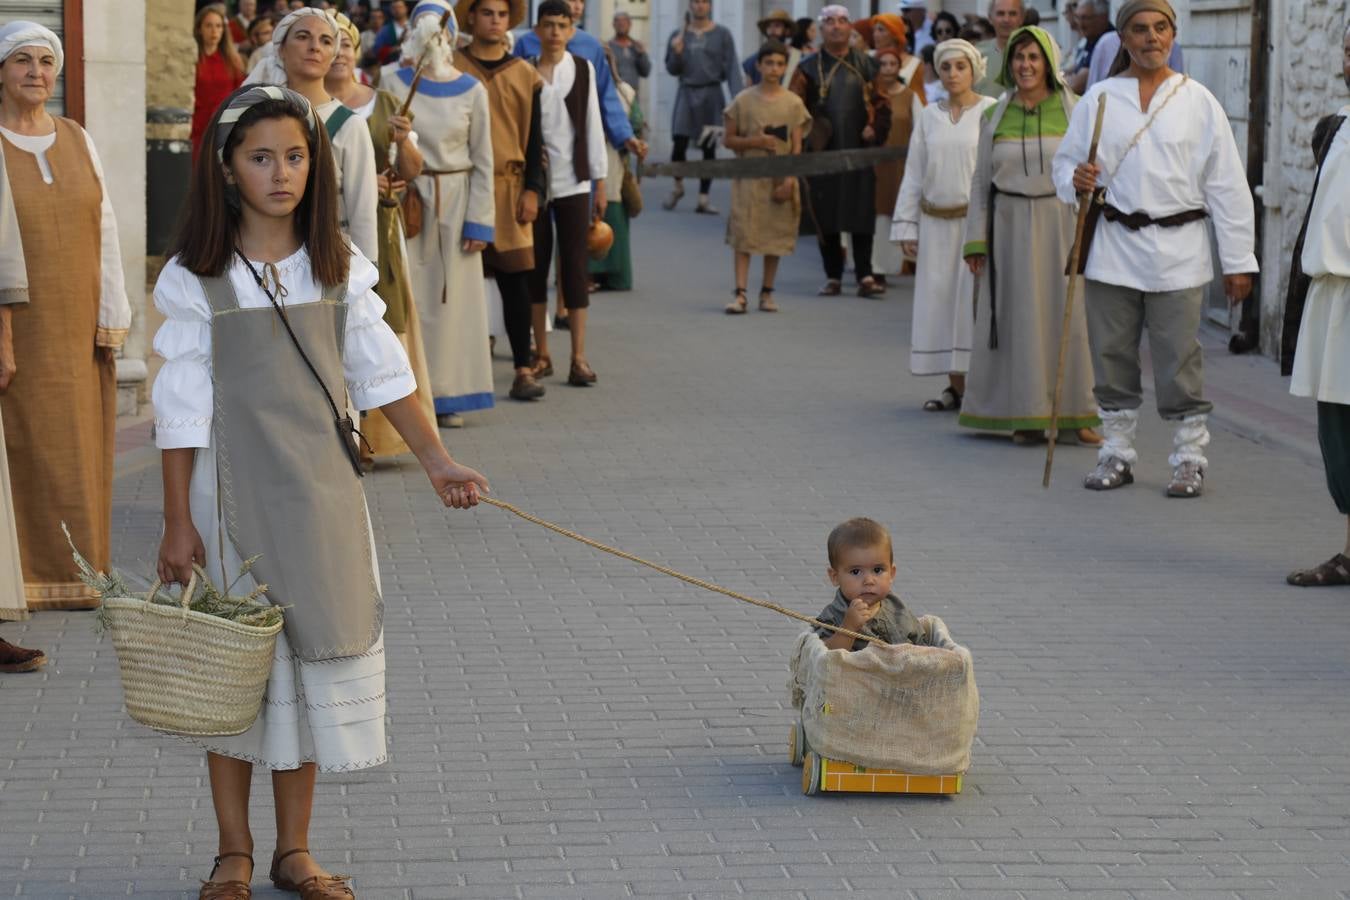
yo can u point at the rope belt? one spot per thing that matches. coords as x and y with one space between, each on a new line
436 184
1137 220
688 579
942 212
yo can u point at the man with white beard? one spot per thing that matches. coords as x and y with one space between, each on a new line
450 111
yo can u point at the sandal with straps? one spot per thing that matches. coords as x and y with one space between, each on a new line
315 887
947 401
227 890
766 303
739 305
1109 474
1332 573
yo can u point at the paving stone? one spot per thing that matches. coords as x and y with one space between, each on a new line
1161 715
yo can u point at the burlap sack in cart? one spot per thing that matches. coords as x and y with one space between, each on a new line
911 708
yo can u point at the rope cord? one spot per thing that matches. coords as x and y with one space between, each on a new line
664 570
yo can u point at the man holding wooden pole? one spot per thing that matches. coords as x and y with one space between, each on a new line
1167 161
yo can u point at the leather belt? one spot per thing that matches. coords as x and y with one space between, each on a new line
942 212
1137 220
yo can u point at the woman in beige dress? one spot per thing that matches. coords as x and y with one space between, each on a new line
765 120
60 407
396 146
13 291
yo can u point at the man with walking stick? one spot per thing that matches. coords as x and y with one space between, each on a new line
1166 162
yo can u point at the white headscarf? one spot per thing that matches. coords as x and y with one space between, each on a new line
958 47
30 34
267 69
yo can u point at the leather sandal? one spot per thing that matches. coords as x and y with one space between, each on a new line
766 303
738 305
227 890
315 887
542 365
14 658
831 288
868 287
581 376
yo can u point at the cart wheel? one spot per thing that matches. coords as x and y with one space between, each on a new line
811 775
797 744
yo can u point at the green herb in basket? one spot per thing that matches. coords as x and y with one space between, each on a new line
206 598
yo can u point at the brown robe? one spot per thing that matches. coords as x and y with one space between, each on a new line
60 412
510 88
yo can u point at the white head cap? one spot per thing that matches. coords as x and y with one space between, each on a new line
30 34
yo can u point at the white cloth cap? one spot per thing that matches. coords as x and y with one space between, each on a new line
268 69
913 4
958 47
30 34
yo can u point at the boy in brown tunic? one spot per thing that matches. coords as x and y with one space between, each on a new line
513 87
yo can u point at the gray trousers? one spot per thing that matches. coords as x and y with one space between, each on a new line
1116 318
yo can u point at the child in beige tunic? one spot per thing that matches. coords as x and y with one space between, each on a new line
765 120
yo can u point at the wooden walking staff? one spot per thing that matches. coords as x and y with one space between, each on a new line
412 92
1084 205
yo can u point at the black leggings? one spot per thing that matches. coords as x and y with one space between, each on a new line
572 217
515 291
832 254
678 155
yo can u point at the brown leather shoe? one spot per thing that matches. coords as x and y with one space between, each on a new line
227 890
526 388
315 887
542 365
582 376
20 659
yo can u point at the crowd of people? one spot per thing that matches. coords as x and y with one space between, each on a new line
369 187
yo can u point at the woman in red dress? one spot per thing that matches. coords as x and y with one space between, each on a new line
219 69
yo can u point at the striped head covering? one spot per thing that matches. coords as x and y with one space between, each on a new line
346 26
958 47
244 99
30 34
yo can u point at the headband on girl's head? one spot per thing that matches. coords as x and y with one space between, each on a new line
246 100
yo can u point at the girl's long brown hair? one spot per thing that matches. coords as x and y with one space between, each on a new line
209 230
226 47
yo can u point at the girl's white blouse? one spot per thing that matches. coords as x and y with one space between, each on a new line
374 362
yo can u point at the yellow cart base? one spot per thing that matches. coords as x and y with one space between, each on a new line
833 775
821 775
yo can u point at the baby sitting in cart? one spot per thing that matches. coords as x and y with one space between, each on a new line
862 567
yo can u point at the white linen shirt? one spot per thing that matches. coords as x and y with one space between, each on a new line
559 133
375 365
1186 160
1326 246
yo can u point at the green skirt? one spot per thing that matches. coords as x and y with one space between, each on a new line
616 268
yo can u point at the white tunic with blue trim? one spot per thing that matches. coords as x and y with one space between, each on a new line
454 136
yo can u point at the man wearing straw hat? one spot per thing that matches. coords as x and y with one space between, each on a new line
519 180
1166 162
776 26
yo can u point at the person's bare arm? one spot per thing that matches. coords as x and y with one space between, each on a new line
457 485
8 369
182 545
408 160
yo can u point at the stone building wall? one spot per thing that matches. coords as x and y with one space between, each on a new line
1307 36
171 52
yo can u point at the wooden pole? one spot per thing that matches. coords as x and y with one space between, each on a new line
412 91
1084 204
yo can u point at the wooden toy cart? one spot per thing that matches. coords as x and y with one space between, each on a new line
832 775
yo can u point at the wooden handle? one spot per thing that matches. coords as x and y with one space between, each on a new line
1084 205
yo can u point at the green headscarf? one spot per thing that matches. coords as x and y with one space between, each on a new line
1049 49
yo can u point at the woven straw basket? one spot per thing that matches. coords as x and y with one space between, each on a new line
189 673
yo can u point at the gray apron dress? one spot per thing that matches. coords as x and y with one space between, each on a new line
286 489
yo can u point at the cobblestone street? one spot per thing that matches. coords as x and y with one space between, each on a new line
1160 714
